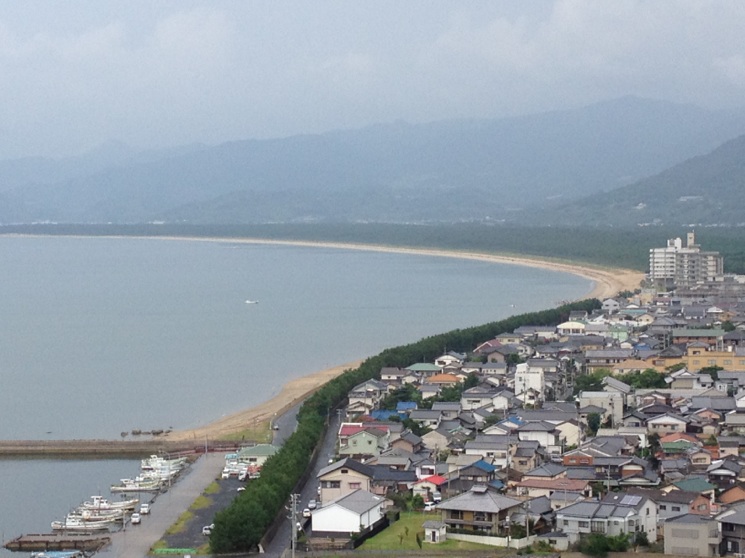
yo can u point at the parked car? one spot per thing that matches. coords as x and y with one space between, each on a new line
144 508
135 519
306 512
429 506
312 504
207 530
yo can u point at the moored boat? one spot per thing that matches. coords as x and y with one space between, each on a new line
133 485
72 524
100 503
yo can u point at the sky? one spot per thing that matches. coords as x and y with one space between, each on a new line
75 74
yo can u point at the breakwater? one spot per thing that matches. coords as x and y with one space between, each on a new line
55 449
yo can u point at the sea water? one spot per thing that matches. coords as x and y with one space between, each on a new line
100 336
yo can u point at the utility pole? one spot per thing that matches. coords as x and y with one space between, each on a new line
294 498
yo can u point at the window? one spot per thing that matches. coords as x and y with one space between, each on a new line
344 471
676 508
330 484
456 514
584 524
663 507
355 485
598 527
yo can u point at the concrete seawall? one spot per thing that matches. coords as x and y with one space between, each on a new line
51 449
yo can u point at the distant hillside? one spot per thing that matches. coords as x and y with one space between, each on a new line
486 170
703 191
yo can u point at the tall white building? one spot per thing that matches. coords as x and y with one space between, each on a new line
683 266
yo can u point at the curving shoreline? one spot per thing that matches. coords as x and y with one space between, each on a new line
607 282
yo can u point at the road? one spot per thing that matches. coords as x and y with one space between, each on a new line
281 541
135 541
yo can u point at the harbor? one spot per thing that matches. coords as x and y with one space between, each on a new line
91 526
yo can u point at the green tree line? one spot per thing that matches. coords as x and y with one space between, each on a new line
605 247
239 527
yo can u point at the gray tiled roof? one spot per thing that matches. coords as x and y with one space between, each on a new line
484 501
358 501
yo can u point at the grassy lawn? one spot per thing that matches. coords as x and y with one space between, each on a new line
257 432
396 538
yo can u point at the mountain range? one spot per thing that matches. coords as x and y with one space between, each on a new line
620 162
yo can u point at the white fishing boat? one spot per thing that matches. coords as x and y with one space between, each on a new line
157 462
97 515
133 485
72 524
100 503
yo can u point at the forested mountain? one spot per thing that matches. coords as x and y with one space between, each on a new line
705 190
484 170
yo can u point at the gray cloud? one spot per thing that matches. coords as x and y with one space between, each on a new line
77 73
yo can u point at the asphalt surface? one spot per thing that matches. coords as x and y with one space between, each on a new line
135 541
281 541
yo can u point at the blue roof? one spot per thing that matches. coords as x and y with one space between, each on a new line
383 414
484 466
496 483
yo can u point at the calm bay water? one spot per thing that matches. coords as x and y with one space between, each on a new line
101 336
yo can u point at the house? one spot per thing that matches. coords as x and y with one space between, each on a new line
546 487
481 509
257 455
543 432
429 487
465 478
450 358
666 423
611 384
605 358
477 397
612 402
344 477
426 418
360 439
692 535
725 473
494 449
408 441
732 527
449 410
616 514
352 513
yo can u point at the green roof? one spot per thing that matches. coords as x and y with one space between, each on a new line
694 485
423 367
258 451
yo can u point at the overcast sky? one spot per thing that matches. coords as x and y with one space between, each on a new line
75 73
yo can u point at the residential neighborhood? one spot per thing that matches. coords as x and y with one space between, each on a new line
626 421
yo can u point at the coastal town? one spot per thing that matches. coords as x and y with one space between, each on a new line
621 424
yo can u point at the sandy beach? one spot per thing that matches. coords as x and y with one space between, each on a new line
607 282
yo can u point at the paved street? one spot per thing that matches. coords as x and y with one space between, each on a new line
135 541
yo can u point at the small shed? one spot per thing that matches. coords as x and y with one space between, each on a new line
435 531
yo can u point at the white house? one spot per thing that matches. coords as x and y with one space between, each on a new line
349 514
528 378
